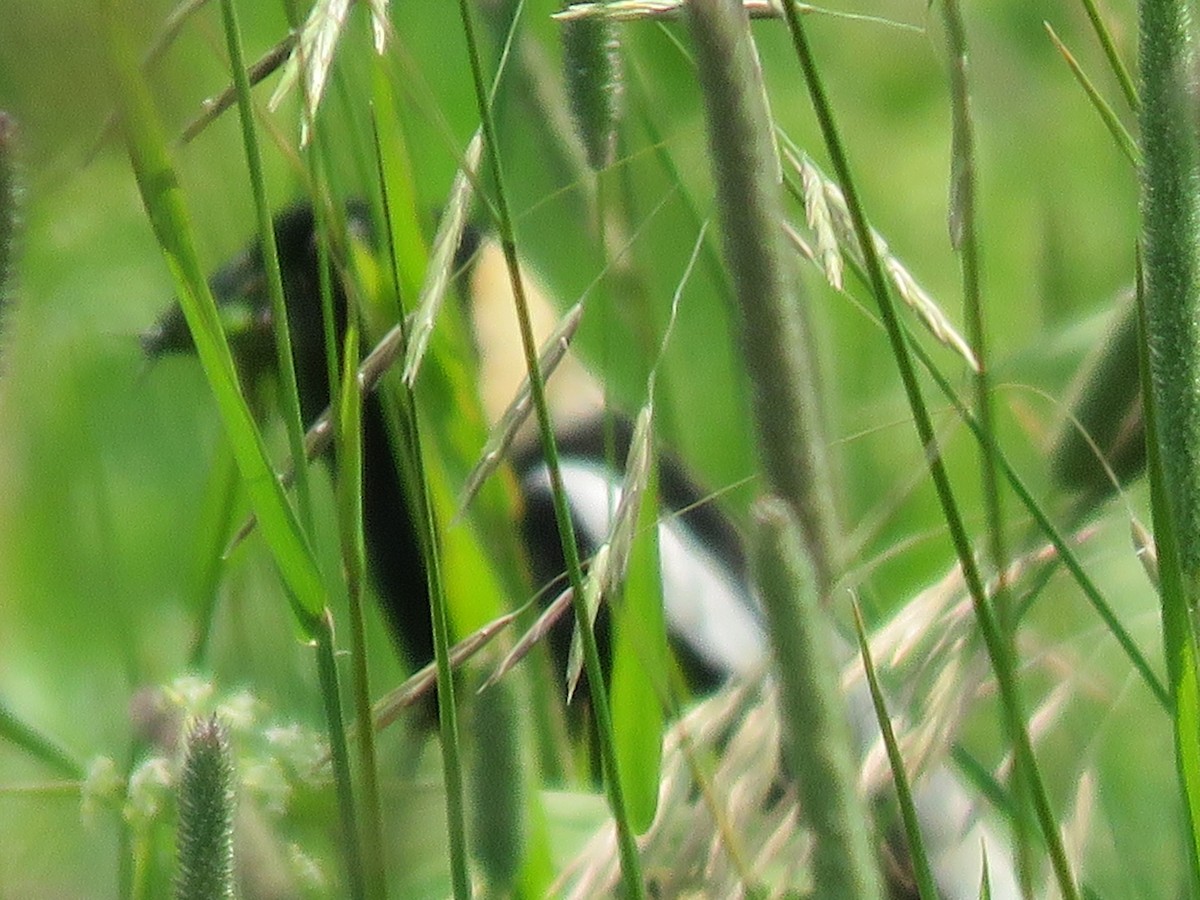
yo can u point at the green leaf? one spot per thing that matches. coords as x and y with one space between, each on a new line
164 202
640 660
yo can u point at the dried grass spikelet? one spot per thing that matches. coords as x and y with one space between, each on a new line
829 220
312 58
733 829
636 10
931 647
734 826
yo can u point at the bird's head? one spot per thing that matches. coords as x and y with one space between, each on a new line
241 291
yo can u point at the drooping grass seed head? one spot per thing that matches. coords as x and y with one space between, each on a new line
592 63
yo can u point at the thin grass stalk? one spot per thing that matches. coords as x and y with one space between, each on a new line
630 863
993 640
426 527
964 238
44 749
266 234
350 509
1115 62
1119 132
447 712
1063 550
1179 638
923 874
340 755
314 155
774 334
817 743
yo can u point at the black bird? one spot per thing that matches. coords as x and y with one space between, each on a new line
714 624
240 289
713 620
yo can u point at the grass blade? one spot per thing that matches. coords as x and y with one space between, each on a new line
640 657
1179 638
164 203
630 862
926 887
1125 141
284 362
996 645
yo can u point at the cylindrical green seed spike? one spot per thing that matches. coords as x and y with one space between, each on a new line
206 801
818 748
592 60
497 795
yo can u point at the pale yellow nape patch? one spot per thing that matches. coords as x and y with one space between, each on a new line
572 392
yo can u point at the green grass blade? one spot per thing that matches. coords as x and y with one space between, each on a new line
630 861
42 748
996 645
1115 62
1120 134
639 669
284 363
350 521
923 874
164 202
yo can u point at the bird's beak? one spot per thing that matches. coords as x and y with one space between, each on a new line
239 291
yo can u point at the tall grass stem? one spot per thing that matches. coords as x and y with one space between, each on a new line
997 646
817 740
630 862
774 333
270 256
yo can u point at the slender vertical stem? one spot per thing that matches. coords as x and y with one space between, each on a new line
426 527
773 331
997 647
350 510
266 236
1169 294
965 239
630 862
820 750
793 555
1170 232
327 673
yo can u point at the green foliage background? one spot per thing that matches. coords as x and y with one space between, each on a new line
107 491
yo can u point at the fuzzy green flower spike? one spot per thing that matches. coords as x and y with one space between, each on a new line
206 803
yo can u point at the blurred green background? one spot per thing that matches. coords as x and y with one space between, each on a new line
110 470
